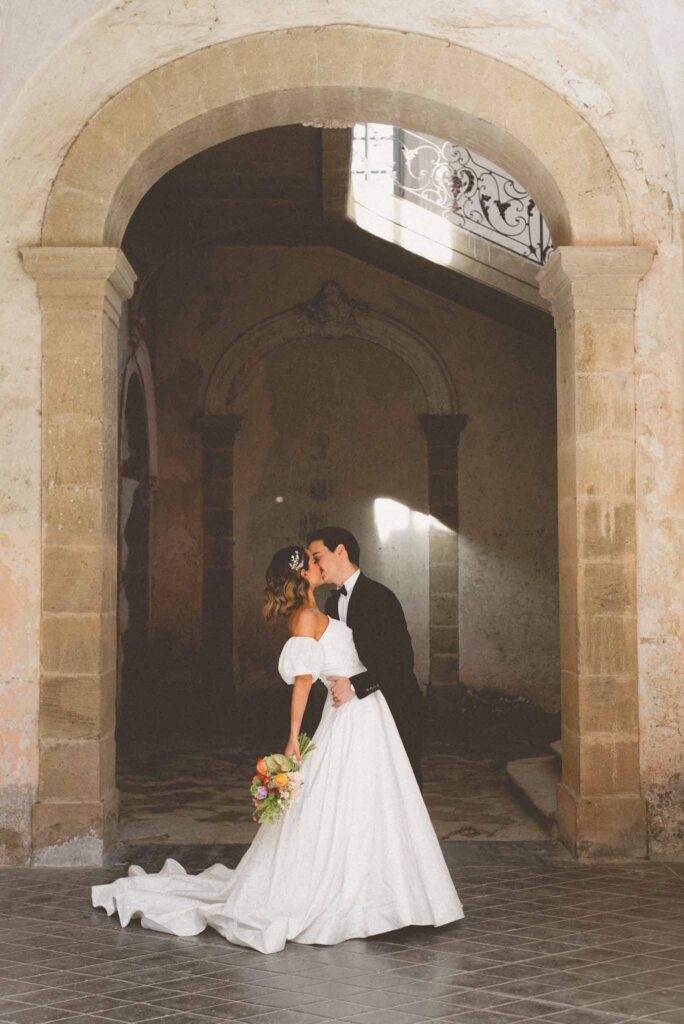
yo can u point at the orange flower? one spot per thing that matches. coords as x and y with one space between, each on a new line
280 780
261 766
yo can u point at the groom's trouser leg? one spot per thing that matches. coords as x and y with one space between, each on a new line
415 748
417 771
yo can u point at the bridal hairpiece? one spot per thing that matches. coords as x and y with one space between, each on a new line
296 560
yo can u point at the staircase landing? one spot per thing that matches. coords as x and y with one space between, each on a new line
534 781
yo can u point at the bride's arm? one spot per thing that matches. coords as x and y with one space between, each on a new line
303 623
300 696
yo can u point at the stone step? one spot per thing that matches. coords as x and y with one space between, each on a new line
534 780
557 748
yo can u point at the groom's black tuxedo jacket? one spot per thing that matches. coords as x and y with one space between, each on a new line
382 639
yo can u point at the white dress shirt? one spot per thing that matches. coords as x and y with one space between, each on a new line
343 603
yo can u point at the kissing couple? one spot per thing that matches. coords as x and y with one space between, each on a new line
356 854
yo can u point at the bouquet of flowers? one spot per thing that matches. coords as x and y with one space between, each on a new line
277 782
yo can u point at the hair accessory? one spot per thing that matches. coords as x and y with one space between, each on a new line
296 560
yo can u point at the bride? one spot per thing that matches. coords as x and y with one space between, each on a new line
355 854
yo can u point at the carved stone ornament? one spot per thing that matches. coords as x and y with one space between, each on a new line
331 313
137 329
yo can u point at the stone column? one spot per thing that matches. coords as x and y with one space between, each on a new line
218 437
593 292
443 433
81 291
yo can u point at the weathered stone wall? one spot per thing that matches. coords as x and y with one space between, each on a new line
616 65
332 440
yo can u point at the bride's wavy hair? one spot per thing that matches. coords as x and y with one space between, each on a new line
286 588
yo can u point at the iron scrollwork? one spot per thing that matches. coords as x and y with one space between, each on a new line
470 192
449 180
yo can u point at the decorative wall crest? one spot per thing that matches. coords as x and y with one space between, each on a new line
332 313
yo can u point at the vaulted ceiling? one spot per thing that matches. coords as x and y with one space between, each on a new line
287 187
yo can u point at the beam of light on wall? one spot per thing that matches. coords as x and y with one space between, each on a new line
394 517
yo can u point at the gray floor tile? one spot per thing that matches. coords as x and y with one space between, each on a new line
282 999
523 989
17 972
381 1000
86 1004
189 1001
233 1010
388 1016
8 1006
10 989
37 1015
643 1005
84 1019
585 1016
334 1009
333 990
430 1007
173 1018
480 1017
530 1009
599 943
46 997
285 1017
131 1013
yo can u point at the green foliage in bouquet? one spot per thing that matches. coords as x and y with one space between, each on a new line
277 782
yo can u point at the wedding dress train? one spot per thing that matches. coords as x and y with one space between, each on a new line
355 854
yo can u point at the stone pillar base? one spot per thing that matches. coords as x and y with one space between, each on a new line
70 833
601 827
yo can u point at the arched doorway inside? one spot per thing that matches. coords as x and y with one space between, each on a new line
592 286
134 557
330 353
241 472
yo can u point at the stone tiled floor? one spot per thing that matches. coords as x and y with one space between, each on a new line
185 792
543 939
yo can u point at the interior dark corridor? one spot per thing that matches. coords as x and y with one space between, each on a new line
242 238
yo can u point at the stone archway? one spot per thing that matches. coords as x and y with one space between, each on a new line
137 482
330 314
333 316
139 366
339 73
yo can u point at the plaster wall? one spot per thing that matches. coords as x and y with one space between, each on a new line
332 427
601 55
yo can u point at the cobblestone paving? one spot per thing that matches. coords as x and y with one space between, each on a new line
544 939
177 792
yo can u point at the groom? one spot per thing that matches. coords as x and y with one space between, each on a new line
374 615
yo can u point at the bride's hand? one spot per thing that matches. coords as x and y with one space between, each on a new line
292 749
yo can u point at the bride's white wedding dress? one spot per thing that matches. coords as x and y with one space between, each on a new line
355 854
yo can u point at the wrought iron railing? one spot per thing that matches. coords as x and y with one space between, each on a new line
454 183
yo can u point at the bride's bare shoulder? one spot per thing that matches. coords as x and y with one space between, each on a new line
307 622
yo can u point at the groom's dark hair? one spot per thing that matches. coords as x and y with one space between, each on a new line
334 535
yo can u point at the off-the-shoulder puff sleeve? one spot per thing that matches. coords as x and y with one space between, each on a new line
301 656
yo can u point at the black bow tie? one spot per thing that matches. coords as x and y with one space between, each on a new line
342 590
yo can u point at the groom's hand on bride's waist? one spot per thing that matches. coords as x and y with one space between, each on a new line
342 690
